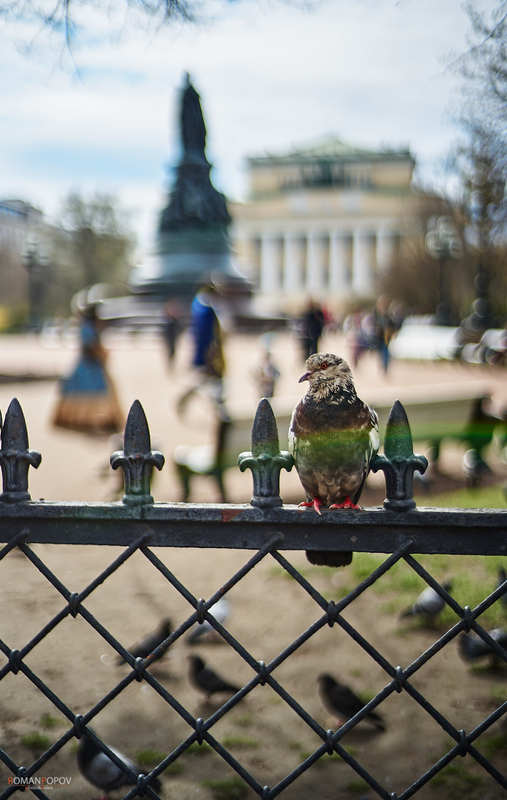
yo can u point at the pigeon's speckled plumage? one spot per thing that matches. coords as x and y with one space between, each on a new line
333 436
101 771
342 701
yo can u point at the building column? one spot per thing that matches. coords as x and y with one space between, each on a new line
385 248
269 271
314 264
362 272
291 263
338 278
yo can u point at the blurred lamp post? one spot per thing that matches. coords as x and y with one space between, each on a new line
35 261
442 243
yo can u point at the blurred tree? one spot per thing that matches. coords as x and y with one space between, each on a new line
65 17
480 157
97 237
92 244
477 206
13 280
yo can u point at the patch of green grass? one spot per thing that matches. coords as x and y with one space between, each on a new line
197 749
176 768
244 721
240 742
459 782
357 786
481 497
35 741
228 789
497 694
149 758
489 745
48 722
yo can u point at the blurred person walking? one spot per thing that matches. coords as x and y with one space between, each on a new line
172 327
208 357
266 375
311 325
384 327
88 400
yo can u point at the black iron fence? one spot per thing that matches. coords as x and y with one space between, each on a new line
268 528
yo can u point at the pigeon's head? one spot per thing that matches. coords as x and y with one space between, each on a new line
326 681
326 370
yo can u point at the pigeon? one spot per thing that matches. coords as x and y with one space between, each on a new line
101 771
208 681
333 437
471 646
150 642
220 610
502 577
428 604
342 701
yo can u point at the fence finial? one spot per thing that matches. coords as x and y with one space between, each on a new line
265 459
399 462
137 459
15 457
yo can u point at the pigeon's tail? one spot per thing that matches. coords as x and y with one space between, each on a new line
229 687
328 558
409 612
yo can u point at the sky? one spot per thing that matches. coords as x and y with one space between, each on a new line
272 74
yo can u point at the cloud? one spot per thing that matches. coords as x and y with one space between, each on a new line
270 74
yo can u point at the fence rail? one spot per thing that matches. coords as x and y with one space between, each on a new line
269 528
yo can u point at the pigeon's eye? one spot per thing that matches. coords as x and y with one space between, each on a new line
324 365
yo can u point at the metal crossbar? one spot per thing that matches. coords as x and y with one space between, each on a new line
266 527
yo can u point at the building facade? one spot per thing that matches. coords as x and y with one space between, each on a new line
324 221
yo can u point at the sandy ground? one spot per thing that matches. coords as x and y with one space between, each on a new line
267 610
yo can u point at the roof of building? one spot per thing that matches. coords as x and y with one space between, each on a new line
332 148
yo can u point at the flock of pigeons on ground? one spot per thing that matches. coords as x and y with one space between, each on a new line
339 699
333 437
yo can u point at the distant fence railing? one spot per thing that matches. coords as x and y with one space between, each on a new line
268 528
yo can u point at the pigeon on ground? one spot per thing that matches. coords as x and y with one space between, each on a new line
342 701
472 647
429 603
143 648
220 610
206 680
502 577
101 771
333 437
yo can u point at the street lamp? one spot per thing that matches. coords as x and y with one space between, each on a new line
442 243
35 261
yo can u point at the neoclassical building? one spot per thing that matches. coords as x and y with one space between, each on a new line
324 221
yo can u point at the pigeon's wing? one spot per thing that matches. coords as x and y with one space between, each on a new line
429 602
212 682
104 773
345 700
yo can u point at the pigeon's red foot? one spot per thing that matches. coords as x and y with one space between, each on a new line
347 503
315 504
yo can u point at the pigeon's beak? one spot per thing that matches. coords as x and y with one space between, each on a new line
304 377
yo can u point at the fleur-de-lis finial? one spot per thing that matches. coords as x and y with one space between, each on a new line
265 459
137 459
399 462
15 457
